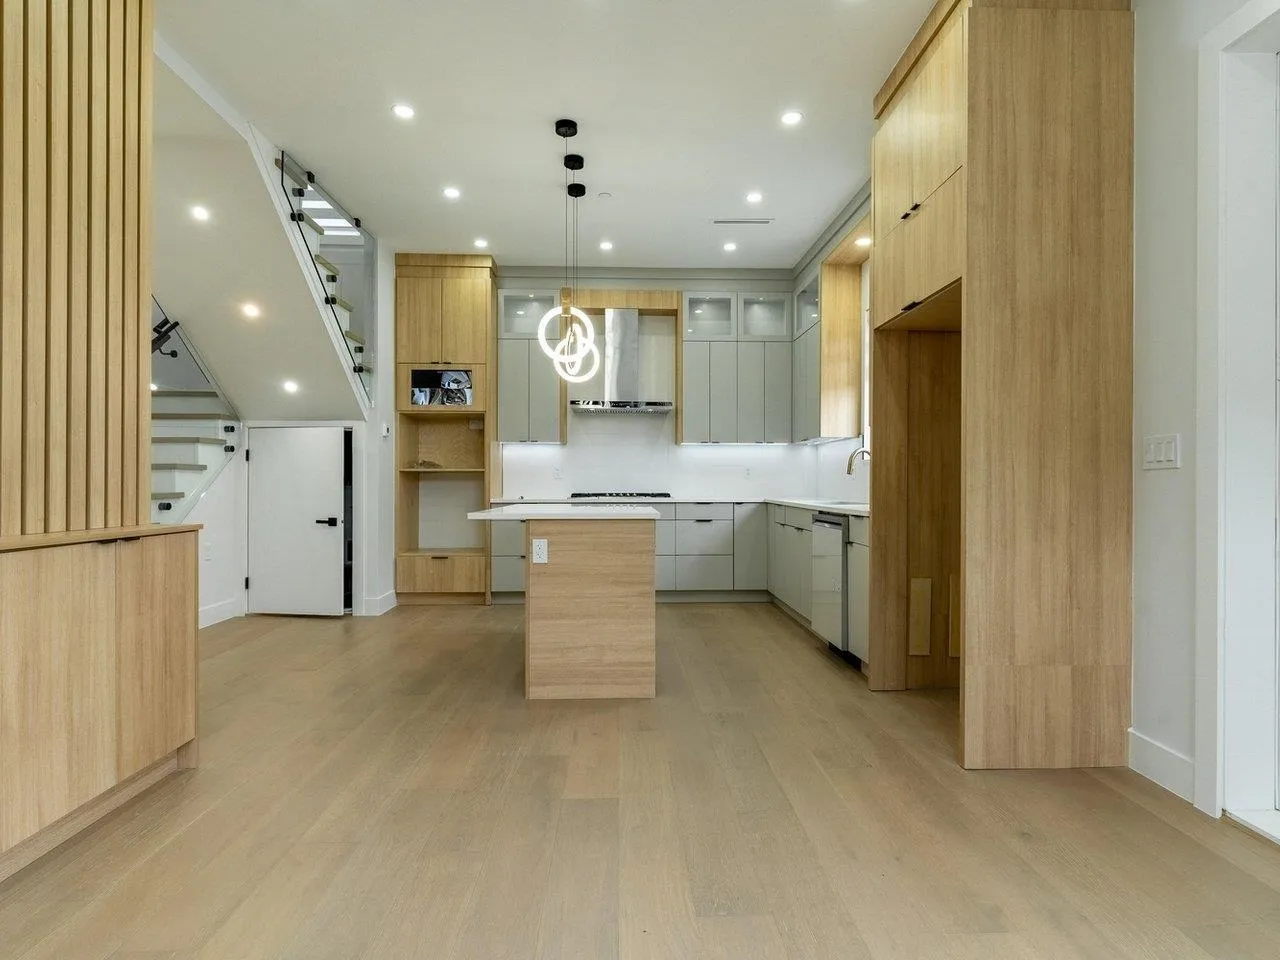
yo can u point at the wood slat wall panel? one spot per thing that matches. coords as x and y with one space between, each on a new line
57 235
146 34
115 260
12 157
97 271
34 307
75 90
77 275
129 248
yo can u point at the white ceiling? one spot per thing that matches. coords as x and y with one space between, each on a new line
203 272
678 102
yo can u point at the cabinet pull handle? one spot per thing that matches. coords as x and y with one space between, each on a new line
907 215
439 558
702 521
130 539
911 306
915 207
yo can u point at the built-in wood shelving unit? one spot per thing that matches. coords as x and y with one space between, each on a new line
447 456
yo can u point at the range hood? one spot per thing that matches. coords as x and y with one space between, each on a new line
623 363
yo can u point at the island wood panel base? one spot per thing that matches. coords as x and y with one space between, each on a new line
38 844
590 611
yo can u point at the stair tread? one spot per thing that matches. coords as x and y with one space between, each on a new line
206 415
344 304
353 337
193 467
165 392
209 440
327 265
168 496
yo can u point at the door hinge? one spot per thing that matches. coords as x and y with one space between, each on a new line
246 583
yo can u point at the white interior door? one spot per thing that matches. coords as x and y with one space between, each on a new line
296 520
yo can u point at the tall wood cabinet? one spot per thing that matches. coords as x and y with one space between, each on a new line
447 436
1002 376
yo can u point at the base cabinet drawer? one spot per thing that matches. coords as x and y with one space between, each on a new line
704 573
507 538
799 517
508 575
664 569
704 538
704 511
440 573
665 538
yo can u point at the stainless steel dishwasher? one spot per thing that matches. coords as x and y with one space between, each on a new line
829 616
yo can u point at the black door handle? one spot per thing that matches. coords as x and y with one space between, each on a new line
329 522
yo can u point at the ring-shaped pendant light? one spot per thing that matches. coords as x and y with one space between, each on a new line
575 356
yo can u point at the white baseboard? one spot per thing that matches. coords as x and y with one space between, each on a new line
225 610
376 606
1172 770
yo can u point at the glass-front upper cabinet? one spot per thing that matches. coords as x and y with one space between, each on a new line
710 316
519 311
808 301
764 316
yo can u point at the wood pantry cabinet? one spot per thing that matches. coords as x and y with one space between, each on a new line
97 668
1002 314
448 462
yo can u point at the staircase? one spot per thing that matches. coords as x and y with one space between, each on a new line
335 241
194 430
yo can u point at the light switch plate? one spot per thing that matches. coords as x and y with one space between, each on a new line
540 551
1162 452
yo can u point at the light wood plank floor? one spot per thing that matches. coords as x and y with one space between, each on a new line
380 789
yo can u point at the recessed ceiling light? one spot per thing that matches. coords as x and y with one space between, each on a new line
153 388
605 195
290 386
862 242
755 196
200 213
403 111
730 247
481 243
251 310
792 117
451 193
606 245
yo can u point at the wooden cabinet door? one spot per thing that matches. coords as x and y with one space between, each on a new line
889 267
418 319
937 240
891 154
939 116
465 307
57 683
156 590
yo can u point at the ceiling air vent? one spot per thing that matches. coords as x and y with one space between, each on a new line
744 221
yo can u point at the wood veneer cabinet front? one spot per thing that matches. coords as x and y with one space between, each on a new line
97 670
444 320
1023 255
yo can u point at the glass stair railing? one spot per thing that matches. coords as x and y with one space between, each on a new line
343 255
195 431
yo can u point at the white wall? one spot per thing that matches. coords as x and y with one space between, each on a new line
374 587
224 511
1168 34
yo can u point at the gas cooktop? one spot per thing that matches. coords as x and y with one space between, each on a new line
620 496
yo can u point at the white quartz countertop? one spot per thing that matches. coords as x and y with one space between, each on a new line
575 510
842 507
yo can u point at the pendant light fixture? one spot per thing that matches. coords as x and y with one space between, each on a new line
575 355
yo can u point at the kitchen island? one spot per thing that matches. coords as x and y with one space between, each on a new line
590 601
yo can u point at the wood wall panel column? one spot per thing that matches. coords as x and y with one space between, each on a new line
75 92
12 187
34 307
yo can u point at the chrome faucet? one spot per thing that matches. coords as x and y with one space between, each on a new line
863 452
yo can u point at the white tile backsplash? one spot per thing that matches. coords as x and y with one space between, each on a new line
638 453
